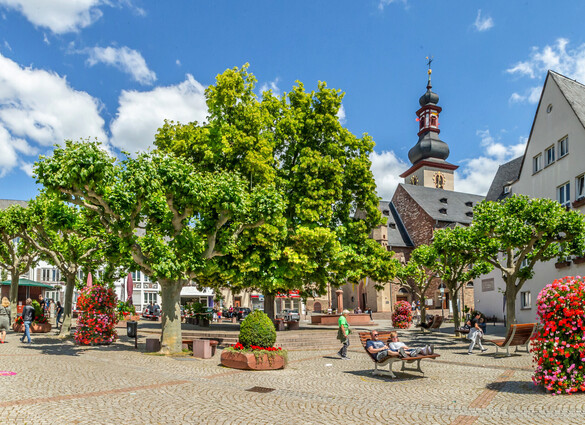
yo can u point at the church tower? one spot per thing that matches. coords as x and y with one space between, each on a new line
429 168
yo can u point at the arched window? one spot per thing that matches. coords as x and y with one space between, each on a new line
433 121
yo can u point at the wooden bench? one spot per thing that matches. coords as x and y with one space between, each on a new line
390 360
212 342
436 324
518 336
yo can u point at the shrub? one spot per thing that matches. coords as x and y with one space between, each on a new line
402 316
558 346
257 329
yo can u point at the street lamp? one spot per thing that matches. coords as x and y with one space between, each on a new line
442 291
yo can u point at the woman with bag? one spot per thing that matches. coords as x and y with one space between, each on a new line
4 318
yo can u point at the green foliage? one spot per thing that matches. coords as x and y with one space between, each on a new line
257 329
123 308
38 309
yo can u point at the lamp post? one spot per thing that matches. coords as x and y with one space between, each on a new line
442 291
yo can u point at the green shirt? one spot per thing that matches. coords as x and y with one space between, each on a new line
343 322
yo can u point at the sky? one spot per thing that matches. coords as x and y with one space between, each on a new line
114 70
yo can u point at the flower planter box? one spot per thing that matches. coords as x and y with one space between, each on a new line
35 328
579 260
248 361
562 264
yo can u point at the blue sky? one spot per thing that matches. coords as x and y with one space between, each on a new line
115 69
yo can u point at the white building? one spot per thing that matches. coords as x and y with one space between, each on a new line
553 166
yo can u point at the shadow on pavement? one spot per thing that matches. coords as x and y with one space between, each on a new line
517 387
400 376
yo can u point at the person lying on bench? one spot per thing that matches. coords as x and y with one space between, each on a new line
406 351
430 319
377 348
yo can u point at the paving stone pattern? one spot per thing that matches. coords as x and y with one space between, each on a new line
57 382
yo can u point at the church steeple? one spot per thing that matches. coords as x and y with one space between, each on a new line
430 152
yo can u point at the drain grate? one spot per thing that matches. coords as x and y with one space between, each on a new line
260 390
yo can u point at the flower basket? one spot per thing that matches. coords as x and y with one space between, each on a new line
402 316
251 361
579 260
562 264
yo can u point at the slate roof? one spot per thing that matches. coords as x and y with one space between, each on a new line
506 174
573 91
444 205
397 234
5 203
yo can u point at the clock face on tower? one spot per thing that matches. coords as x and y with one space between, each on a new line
414 180
439 180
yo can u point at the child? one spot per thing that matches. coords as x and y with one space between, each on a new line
406 351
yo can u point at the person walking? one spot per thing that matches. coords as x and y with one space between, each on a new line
343 334
4 318
58 313
28 315
475 334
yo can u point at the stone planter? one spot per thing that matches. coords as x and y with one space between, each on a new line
562 264
35 328
247 361
579 260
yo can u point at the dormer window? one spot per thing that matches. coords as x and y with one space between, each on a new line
443 210
469 204
392 225
386 212
443 200
469 214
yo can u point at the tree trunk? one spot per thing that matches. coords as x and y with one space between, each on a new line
69 287
510 304
171 337
15 278
456 318
269 306
423 309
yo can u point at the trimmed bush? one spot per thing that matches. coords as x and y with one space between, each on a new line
257 329
559 346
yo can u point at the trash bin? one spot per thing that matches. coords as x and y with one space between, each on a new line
132 328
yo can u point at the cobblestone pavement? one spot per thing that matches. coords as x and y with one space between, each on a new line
57 382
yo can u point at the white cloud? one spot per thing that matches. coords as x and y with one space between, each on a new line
387 167
476 174
60 16
532 95
125 59
483 24
46 39
383 3
140 114
341 114
271 85
27 167
7 45
42 108
569 62
178 62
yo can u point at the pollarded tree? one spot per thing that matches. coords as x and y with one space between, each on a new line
16 255
67 237
171 217
416 275
296 142
515 234
455 262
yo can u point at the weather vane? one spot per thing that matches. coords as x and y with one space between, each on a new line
429 61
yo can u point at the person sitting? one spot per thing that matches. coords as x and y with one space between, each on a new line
377 348
430 320
405 351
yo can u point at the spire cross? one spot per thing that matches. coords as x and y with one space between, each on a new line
429 61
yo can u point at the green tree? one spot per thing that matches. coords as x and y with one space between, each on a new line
296 143
455 261
16 254
515 234
171 217
67 237
416 274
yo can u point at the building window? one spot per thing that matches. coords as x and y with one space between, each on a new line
549 156
537 163
150 297
549 108
443 210
563 146
564 194
525 300
487 285
580 187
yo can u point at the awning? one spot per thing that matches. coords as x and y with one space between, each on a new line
193 291
28 282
